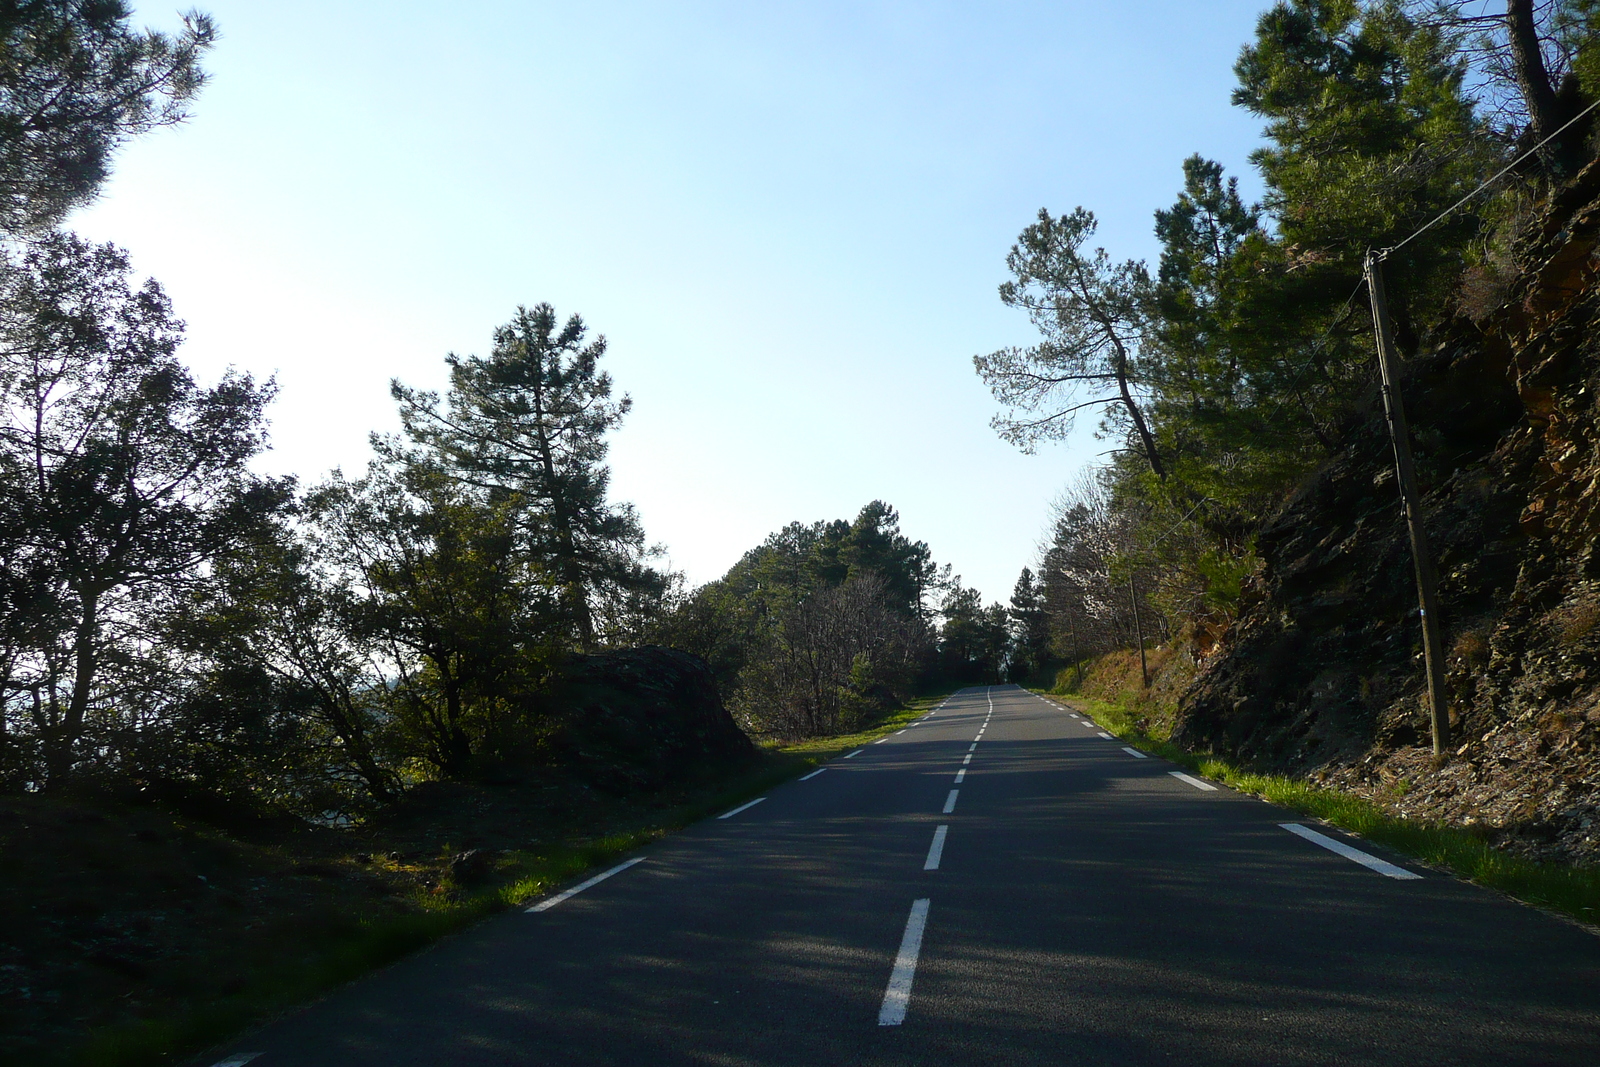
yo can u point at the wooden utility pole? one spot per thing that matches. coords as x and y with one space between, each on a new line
1138 628
1077 655
1411 502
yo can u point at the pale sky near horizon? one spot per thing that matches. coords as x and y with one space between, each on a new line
788 219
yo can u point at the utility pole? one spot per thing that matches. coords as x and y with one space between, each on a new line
1077 656
1138 628
1411 502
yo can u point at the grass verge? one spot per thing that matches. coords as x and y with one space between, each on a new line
821 749
1572 891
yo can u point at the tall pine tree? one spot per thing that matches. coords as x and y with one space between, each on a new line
526 427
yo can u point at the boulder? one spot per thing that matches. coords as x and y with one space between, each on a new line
640 719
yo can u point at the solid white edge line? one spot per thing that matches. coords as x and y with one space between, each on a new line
1197 783
856 753
1383 867
546 905
935 850
950 801
1135 753
741 807
898 996
813 774
962 773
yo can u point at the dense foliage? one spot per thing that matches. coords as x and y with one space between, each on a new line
1227 373
176 627
822 626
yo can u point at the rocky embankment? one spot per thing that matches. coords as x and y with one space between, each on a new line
1321 675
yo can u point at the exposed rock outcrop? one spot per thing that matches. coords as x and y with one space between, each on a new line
1321 674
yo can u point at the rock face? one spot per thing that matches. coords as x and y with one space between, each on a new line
641 718
1322 672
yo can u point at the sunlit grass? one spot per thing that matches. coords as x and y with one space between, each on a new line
821 749
1574 891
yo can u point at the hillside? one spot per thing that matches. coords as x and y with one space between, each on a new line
1321 673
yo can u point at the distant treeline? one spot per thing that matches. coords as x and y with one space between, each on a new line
1226 374
821 627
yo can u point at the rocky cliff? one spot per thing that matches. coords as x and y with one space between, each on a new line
1322 672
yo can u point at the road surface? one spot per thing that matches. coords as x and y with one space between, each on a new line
1001 883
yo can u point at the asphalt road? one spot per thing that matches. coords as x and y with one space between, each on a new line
1081 906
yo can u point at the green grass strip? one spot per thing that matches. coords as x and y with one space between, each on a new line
818 750
1572 891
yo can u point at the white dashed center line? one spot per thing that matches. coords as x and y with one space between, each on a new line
898 996
813 774
856 753
962 773
974 747
950 801
935 850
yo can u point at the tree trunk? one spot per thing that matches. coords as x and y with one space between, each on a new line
1152 456
457 745
1546 112
1528 62
85 656
576 595
347 725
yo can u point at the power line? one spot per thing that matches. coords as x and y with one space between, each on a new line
1384 252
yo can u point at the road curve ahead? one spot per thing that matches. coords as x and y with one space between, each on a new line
1001 883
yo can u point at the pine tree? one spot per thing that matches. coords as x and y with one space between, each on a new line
1030 625
75 82
525 427
1092 314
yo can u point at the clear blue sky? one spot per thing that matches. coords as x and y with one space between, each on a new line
789 220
